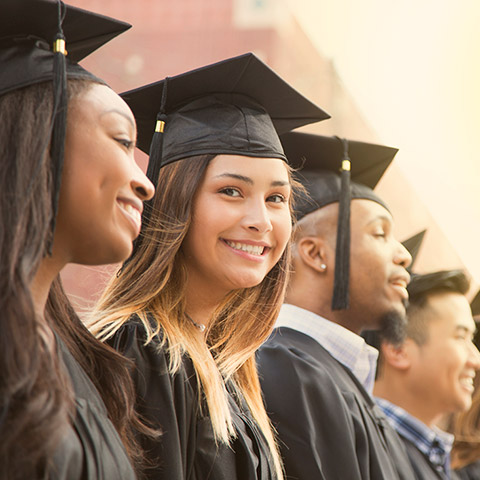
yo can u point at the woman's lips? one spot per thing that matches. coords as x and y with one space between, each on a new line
132 212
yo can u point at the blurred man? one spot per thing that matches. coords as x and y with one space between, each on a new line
431 372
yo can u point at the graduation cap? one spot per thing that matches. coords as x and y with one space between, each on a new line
40 41
327 166
236 106
29 30
413 245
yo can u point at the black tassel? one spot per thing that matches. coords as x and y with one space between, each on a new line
156 146
155 155
57 145
341 287
153 169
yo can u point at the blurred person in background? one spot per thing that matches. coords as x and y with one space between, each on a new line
431 372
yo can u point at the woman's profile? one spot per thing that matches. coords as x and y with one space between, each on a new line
70 192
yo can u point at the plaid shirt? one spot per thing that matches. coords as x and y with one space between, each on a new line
434 443
345 346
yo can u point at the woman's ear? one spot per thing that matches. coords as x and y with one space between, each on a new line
313 253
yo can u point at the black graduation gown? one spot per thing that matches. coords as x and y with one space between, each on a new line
424 470
187 450
329 427
91 449
469 472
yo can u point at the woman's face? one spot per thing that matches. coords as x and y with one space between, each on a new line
103 189
241 223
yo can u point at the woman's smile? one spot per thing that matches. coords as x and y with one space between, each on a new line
255 249
241 223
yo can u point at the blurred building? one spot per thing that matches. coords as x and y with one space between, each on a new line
168 38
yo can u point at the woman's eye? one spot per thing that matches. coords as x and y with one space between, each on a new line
277 198
230 192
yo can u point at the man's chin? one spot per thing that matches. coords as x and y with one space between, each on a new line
392 326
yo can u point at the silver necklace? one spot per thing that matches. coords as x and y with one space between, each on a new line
200 326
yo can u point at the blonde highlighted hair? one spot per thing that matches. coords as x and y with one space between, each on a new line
152 286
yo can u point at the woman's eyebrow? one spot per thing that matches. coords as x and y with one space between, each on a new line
280 183
243 178
236 176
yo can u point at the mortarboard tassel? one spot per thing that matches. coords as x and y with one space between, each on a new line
57 146
153 169
156 147
341 300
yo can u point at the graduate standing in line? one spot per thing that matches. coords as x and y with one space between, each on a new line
430 373
203 287
70 192
316 372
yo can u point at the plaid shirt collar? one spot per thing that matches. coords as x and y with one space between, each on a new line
346 347
434 443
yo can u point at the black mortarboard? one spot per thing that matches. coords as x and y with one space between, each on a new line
35 38
413 245
28 30
325 166
236 106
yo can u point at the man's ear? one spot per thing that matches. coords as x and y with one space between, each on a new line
397 356
313 253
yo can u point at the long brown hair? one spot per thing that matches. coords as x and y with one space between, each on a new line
36 398
152 285
466 428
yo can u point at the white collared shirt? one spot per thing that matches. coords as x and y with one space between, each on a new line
347 347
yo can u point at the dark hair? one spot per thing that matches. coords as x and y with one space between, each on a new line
108 370
36 398
421 288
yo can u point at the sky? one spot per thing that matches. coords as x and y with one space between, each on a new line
413 68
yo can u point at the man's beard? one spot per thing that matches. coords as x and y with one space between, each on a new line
393 327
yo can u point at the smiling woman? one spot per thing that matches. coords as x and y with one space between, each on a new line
205 308
58 409
100 174
203 287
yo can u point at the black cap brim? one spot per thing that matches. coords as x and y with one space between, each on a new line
319 153
318 160
243 75
27 32
413 245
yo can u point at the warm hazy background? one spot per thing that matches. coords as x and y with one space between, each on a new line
406 74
